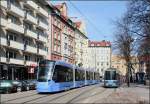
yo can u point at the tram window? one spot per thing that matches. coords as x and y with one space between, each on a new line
97 76
94 75
87 75
107 75
91 75
63 74
113 75
79 75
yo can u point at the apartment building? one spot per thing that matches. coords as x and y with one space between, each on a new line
23 37
62 34
99 55
81 45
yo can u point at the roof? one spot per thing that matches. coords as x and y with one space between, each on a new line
78 24
99 43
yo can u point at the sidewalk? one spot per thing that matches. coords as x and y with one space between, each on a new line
133 94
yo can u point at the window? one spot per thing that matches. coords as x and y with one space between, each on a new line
27 42
27 57
87 75
79 75
11 36
65 46
62 74
107 64
10 54
13 19
28 26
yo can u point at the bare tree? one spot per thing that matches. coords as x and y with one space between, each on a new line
139 17
124 43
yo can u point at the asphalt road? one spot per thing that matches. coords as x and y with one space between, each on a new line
87 94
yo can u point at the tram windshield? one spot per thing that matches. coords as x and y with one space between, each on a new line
110 75
45 70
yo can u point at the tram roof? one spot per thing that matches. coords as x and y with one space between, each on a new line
113 69
60 62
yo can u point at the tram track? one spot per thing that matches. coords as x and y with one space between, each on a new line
84 91
34 98
114 90
73 100
54 97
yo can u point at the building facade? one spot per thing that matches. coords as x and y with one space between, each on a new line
120 63
99 55
62 34
81 45
23 37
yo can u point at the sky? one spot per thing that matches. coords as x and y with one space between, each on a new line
99 16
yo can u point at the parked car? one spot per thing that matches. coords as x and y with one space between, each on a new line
32 84
6 86
21 85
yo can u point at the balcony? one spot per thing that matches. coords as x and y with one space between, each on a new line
42 52
31 34
3 41
3 3
31 49
31 18
3 22
15 10
31 4
3 59
29 63
42 25
42 12
16 61
15 27
17 45
42 38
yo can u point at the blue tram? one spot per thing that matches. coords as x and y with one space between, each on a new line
54 76
112 78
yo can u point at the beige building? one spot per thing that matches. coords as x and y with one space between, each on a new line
119 63
23 37
81 44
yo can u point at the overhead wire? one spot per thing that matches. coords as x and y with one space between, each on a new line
95 27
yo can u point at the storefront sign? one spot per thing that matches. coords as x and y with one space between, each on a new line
31 70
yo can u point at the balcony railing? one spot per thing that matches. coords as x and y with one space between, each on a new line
31 34
3 59
42 52
31 18
31 4
3 22
16 45
30 49
3 41
42 25
15 27
15 10
42 12
29 63
3 3
42 38
16 61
